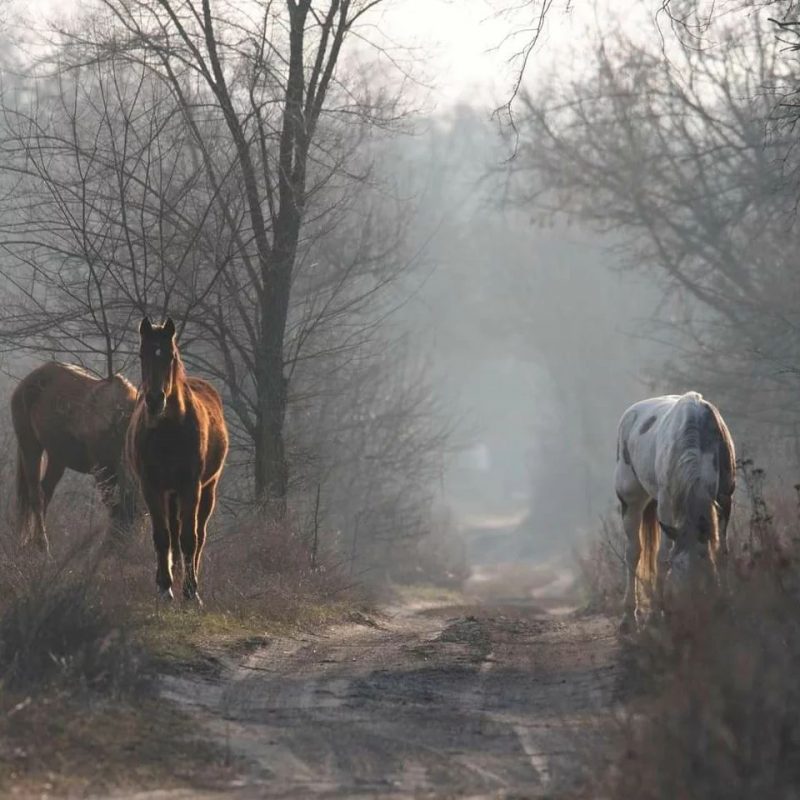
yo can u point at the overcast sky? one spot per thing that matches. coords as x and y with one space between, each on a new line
467 47
463 49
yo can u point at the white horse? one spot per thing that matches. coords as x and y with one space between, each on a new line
675 471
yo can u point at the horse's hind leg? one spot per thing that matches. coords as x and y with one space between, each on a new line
633 501
53 473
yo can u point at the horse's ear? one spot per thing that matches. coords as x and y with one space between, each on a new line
145 326
169 327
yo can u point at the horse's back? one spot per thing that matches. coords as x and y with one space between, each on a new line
49 398
205 391
655 433
637 442
75 416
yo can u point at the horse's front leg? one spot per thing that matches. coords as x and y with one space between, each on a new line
157 506
725 503
663 560
190 503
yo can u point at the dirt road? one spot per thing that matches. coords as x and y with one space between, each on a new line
491 700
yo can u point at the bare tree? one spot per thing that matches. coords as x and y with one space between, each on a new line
271 74
672 158
212 135
100 196
522 41
376 437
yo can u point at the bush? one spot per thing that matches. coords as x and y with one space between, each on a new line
601 569
437 557
60 624
721 714
261 566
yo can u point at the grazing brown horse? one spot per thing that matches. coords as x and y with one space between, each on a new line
176 445
77 422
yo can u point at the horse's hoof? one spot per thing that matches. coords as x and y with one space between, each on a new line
191 596
166 595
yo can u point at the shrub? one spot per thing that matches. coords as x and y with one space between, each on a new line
601 568
61 625
721 714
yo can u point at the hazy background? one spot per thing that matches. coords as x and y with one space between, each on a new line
525 306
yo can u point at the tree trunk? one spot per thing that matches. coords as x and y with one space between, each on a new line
271 469
277 264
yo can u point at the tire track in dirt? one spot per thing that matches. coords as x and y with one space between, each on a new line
483 701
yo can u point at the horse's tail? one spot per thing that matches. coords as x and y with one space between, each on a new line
24 505
20 417
649 540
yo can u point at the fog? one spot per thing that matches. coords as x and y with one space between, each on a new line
317 322
534 336
487 274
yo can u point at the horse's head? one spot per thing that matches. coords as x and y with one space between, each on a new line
159 356
695 540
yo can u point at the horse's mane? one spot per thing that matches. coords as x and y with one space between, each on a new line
686 479
686 470
180 369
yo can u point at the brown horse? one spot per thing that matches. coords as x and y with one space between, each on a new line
176 445
78 422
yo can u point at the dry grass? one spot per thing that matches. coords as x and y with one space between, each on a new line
601 569
719 715
82 640
55 744
61 627
437 558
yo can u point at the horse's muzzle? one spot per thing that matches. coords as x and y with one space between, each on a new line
156 403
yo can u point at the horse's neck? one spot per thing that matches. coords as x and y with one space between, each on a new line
179 397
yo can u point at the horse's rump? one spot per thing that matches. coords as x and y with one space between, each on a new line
77 418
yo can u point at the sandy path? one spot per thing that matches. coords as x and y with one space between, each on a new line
460 701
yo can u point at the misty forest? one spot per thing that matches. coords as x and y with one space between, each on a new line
402 398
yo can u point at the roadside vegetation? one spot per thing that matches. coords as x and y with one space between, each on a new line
83 643
711 699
